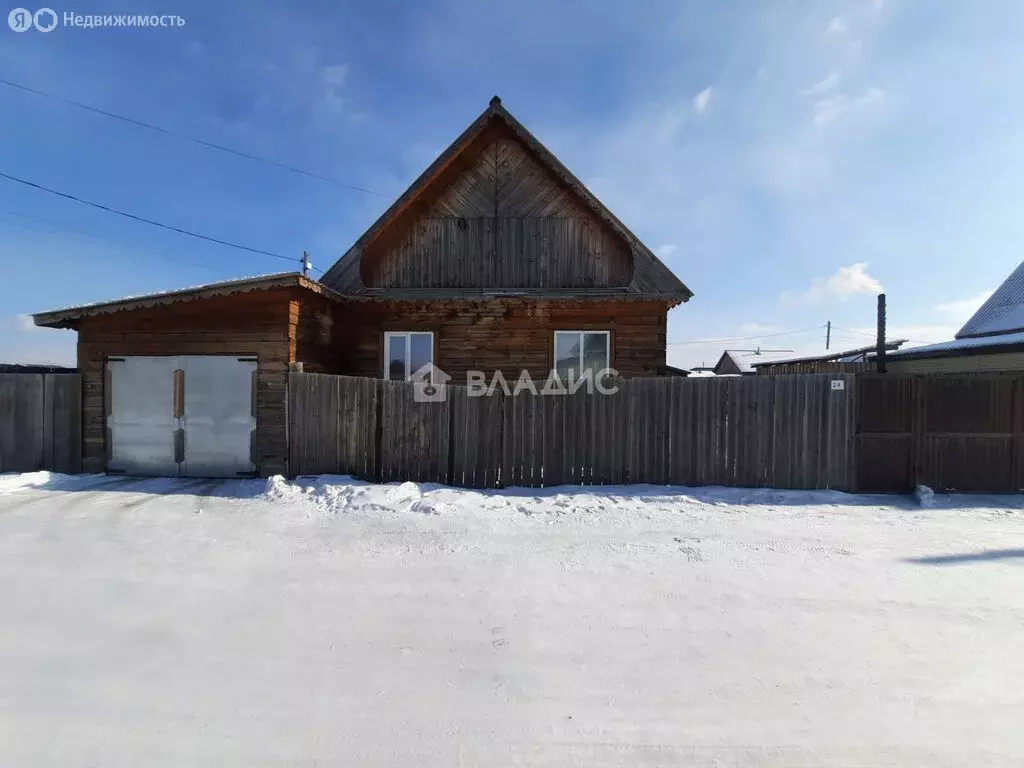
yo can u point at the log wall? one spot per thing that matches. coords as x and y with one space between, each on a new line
506 335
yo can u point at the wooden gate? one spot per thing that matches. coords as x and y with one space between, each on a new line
950 433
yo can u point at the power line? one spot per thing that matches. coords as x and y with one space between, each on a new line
875 336
748 338
76 235
850 330
186 137
146 221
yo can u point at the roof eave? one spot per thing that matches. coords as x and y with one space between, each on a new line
70 317
987 349
444 294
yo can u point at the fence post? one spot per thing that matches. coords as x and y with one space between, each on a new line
917 427
880 352
853 482
1017 409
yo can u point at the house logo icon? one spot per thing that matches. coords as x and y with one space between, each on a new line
430 384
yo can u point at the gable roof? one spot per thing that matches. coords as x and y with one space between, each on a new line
741 364
69 316
1002 313
743 360
651 278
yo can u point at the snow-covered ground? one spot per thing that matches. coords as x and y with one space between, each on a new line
334 623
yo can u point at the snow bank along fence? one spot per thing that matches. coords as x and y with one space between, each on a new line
789 431
951 433
40 422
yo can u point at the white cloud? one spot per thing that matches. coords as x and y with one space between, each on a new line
701 100
828 109
822 86
846 282
335 74
961 310
666 250
25 324
21 341
752 329
836 26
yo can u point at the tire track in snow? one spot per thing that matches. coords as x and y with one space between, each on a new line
75 495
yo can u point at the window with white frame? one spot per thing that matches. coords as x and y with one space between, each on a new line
406 353
577 352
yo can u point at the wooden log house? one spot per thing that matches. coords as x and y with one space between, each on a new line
496 258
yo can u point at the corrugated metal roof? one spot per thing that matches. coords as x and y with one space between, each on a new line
961 346
1002 313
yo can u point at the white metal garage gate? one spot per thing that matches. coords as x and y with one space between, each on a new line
189 416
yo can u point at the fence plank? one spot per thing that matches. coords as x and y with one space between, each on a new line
553 415
40 422
64 417
21 422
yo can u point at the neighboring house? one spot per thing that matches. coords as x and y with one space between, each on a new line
992 340
739 363
496 258
732 364
671 370
848 361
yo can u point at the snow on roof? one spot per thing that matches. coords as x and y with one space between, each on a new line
67 317
745 360
950 347
186 289
744 364
1003 312
847 356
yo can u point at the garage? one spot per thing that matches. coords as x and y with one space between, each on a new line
187 415
194 383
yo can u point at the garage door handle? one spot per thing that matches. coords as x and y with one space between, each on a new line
179 393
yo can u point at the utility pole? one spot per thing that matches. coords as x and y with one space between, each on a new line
828 334
880 351
306 265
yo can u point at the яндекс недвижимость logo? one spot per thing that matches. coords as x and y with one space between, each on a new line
22 19
47 20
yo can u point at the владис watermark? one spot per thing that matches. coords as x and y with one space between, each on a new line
430 383
47 20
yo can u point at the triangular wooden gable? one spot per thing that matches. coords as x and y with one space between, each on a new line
496 211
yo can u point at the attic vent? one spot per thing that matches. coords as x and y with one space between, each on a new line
462 222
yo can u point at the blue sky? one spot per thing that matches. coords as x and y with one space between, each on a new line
787 159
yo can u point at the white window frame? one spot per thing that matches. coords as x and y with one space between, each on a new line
581 331
408 351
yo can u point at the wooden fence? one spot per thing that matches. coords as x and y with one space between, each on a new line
40 422
949 432
783 431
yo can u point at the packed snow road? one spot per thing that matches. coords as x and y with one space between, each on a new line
333 623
